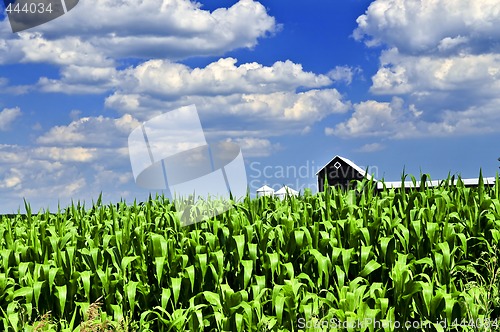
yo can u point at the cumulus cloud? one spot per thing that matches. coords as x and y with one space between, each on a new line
11 179
443 88
432 26
255 147
272 114
253 93
221 77
257 95
371 147
73 154
7 89
91 131
95 32
395 120
27 170
7 116
373 118
173 80
81 79
26 47
473 74
45 175
344 74
442 57
314 105
474 120
11 155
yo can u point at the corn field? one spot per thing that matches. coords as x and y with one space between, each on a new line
356 260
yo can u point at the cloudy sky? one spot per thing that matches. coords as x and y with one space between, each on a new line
389 84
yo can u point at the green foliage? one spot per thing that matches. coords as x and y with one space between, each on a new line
301 264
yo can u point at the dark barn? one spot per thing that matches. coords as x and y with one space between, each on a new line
340 172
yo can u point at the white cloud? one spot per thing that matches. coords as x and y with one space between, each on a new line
75 114
344 74
443 59
7 116
174 80
73 154
259 96
81 79
7 89
255 147
472 74
95 32
70 188
12 179
394 120
221 77
447 90
475 120
306 130
108 177
432 26
28 170
314 105
371 147
270 114
373 118
26 47
45 175
10 154
329 131
91 131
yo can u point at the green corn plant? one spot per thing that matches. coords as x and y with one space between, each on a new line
427 254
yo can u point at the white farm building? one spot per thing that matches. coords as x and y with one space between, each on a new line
284 191
265 191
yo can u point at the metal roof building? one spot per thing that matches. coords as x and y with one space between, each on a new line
490 181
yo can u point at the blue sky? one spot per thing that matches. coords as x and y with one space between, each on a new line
389 84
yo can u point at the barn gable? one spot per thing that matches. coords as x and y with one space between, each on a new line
340 171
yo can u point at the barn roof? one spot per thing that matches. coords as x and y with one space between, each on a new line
350 163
